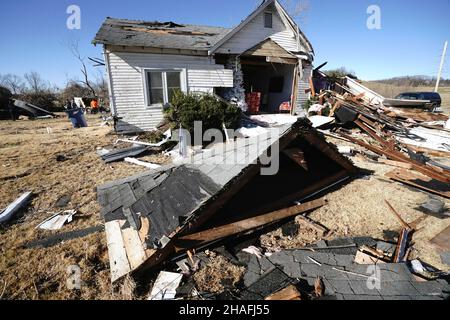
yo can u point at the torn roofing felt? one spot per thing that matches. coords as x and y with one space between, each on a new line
145 212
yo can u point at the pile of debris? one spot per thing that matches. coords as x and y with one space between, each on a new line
406 138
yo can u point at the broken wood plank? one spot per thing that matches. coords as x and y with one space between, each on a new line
311 86
118 260
399 217
397 164
397 156
14 207
133 247
297 155
364 258
288 293
252 223
421 182
402 246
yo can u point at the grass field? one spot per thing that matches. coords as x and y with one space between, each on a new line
390 91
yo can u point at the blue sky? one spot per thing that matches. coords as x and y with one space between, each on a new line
410 41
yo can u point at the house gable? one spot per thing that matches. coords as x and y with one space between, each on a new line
253 31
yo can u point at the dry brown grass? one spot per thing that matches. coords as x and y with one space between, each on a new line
218 274
28 152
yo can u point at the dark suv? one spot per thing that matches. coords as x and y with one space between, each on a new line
433 97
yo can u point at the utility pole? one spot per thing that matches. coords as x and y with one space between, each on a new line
441 67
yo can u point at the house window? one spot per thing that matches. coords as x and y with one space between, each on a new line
161 86
268 19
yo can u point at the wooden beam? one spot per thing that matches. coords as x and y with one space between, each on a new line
298 156
252 223
281 60
399 217
288 293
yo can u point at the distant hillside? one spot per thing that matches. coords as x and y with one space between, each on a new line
413 81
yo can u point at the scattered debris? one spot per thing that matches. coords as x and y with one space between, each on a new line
59 238
8 213
165 286
435 207
143 163
62 201
118 155
56 221
286 294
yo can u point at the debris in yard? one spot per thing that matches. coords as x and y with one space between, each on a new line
121 154
320 121
319 287
346 150
61 158
56 221
165 286
31 111
288 293
253 250
62 201
8 213
143 163
198 183
61 237
435 207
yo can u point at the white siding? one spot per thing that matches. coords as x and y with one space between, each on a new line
303 85
254 32
128 84
210 78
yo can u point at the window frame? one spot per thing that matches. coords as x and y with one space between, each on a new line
265 19
145 71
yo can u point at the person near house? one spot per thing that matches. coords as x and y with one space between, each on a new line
94 106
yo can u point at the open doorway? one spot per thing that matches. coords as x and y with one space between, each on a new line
268 86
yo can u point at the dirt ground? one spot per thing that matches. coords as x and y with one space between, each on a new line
28 162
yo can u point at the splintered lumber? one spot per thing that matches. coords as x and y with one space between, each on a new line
311 86
288 293
402 246
14 207
393 163
420 181
297 155
252 223
397 156
399 217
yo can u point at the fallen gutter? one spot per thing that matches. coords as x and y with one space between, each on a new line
14 207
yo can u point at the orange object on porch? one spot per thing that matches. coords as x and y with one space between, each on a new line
285 106
253 100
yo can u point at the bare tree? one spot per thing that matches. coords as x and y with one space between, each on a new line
73 47
35 82
13 82
297 9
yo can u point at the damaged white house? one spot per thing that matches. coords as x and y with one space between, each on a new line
263 65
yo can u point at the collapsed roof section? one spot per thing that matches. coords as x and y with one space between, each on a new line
145 214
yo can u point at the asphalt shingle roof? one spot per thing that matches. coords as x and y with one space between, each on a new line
167 35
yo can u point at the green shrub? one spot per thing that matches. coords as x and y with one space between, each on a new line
187 108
